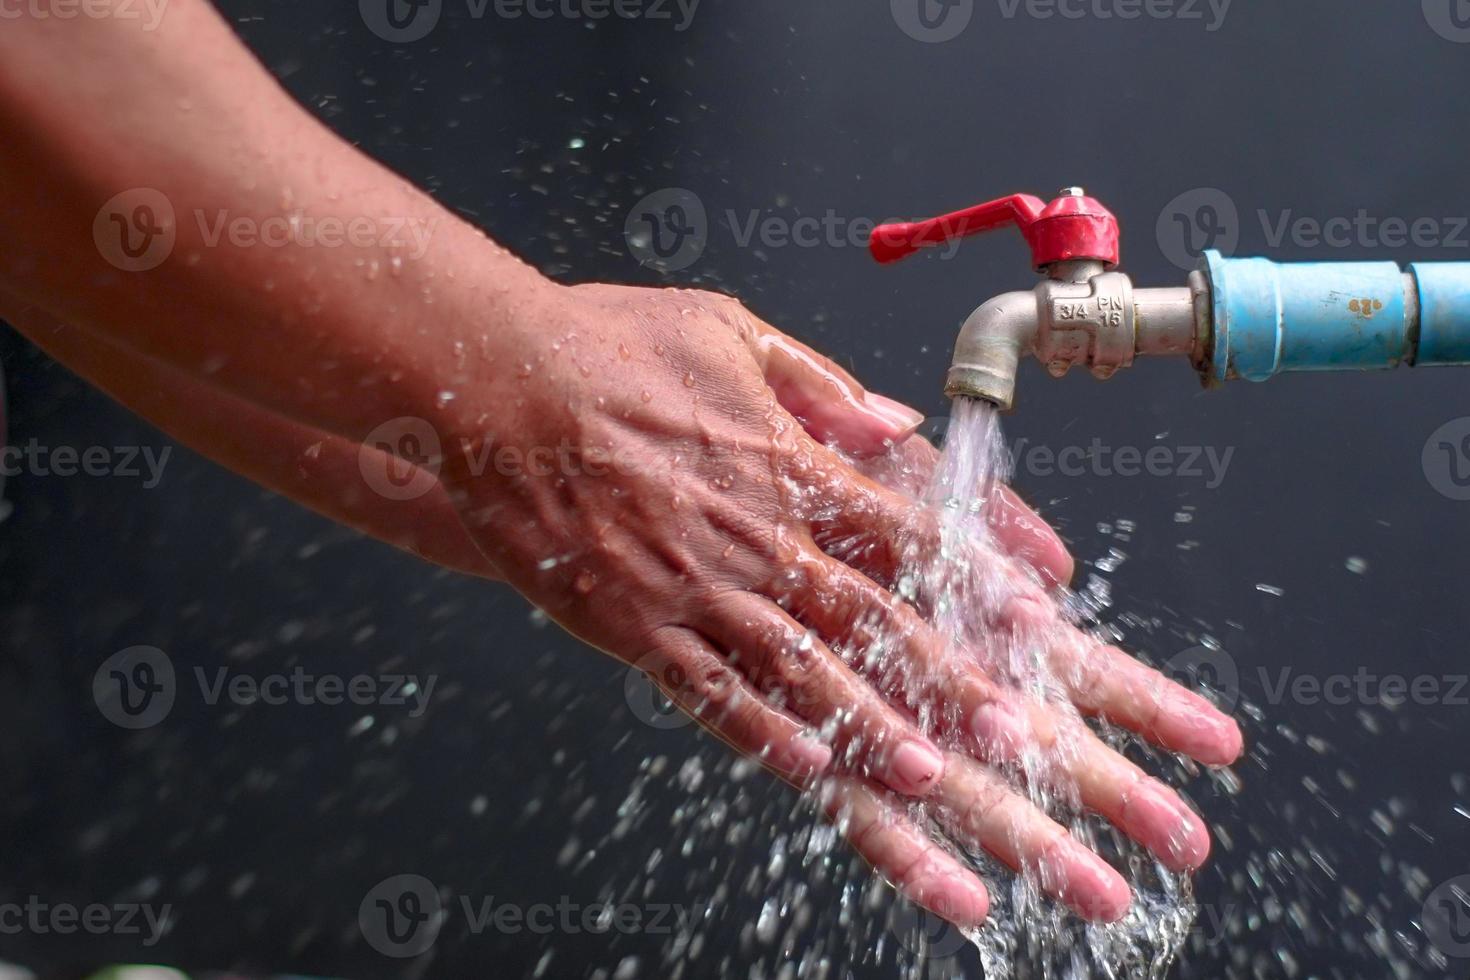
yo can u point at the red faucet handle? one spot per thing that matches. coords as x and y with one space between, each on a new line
1074 226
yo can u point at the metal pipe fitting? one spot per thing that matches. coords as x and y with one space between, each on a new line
1080 316
1237 318
989 348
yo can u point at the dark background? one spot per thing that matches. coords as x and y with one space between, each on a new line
265 826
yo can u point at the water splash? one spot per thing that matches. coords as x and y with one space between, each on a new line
784 897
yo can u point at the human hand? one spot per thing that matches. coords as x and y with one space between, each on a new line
702 457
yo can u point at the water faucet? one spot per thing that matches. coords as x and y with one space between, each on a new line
1245 318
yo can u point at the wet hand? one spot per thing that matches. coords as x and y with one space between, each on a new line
699 457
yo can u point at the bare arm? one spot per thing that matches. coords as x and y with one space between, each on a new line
685 473
203 145
320 471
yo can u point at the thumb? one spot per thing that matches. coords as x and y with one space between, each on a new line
828 401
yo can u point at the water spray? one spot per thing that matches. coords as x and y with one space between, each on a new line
1245 318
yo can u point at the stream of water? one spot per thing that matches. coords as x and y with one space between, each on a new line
824 915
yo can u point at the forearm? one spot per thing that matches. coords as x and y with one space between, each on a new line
318 470
340 337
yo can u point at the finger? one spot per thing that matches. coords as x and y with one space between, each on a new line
977 803
1068 755
886 640
884 533
1020 531
1105 681
902 852
828 401
784 660
692 674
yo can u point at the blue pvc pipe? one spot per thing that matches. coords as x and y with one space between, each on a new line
1270 317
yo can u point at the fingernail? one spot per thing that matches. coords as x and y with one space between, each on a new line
957 900
1084 882
1169 828
914 768
804 756
999 730
895 413
1201 730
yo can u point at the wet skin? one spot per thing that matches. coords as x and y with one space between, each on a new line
703 462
